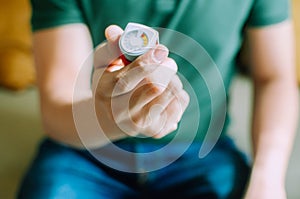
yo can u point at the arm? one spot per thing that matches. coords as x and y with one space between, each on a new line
275 108
59 55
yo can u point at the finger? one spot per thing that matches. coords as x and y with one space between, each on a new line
131 75
117 64
184 100
165 131
158 111
163 75
164 99
172 112
153 86
154 56
155 122
175 84
108 51
113 33
143 95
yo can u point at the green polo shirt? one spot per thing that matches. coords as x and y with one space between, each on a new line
205 45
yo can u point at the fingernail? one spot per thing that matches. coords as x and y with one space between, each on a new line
160 53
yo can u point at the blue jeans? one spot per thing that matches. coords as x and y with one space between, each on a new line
60 172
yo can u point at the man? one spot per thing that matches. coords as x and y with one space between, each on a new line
65 34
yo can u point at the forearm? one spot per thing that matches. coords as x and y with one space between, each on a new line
59 125
84 131
62 60
274 125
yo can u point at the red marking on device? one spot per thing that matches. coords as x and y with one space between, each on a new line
118 63
125 61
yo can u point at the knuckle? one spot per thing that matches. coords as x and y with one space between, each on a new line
174 90
120 84
142 65
136 119
150 88
102 92
186 97
154 90
146 62
169 94
140 118
176 83
170 64
173 127
150 132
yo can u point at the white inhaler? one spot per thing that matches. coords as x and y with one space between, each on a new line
136 40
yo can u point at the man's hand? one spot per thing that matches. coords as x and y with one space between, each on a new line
145 97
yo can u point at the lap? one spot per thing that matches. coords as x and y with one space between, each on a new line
223 173
62 172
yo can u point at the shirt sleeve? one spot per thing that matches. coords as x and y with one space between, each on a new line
52 13
268 12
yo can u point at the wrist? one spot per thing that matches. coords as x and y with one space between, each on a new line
270 162
267 176
265 188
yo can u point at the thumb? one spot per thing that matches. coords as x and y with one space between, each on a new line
108 51
113 33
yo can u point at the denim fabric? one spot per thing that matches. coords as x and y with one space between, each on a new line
60 172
